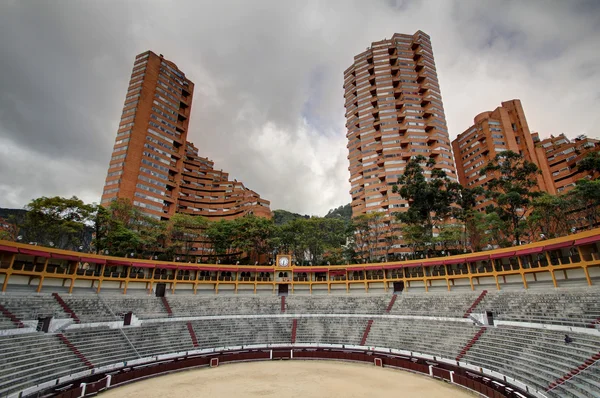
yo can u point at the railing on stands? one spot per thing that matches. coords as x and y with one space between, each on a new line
448 370
549 261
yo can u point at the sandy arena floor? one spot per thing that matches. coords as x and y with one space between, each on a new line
290 379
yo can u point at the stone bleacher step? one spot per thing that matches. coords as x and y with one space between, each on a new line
12 317
470 344
475 304
294 328
573 372
192 334
167 306
77 353
66 307
363 341
391 304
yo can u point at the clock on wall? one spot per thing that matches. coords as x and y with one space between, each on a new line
283 261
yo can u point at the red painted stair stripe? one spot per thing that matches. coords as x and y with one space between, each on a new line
77 353
475 304
12 317
391 304
294 327
470 344
192 334
167 306
66 307
363 341
574 372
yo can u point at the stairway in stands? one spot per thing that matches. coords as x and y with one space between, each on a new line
588 362
167 306
466 348
65 307
475 304
192 334
363 341
391 304
294 327
79 355
12 317
282 304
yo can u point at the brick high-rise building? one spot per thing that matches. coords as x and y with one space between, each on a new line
154 166
394 111
146 162
563 156
502 129
209 192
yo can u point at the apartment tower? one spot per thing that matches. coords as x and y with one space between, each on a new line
493 132
394 111
154 166
146 162
563 156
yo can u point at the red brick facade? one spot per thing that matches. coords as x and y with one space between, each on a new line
154 166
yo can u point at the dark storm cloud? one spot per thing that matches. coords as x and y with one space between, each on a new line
269 101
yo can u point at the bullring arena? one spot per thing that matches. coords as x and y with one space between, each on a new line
515 322
317 379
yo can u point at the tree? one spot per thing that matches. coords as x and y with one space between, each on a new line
450 236
430 199
472 220
289 238
281 217
496 230
253 234
56 221
590 163
512 189
221 235
368 231
122 229
343 212
320 234
550 216
415 236
9 227
182 231
585 199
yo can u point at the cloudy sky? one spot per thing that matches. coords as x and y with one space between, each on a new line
269 100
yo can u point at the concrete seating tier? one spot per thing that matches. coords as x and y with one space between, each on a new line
338 304
102 346
538 357
242 331
445 339
331 330
571 307
30 307
224 305
33 358
142 307
6 323
90 308
434 304
160 338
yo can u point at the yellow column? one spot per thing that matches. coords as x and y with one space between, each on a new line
175 282
470 275
585 271
45 265
5 283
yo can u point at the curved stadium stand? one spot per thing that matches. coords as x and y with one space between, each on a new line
497 339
